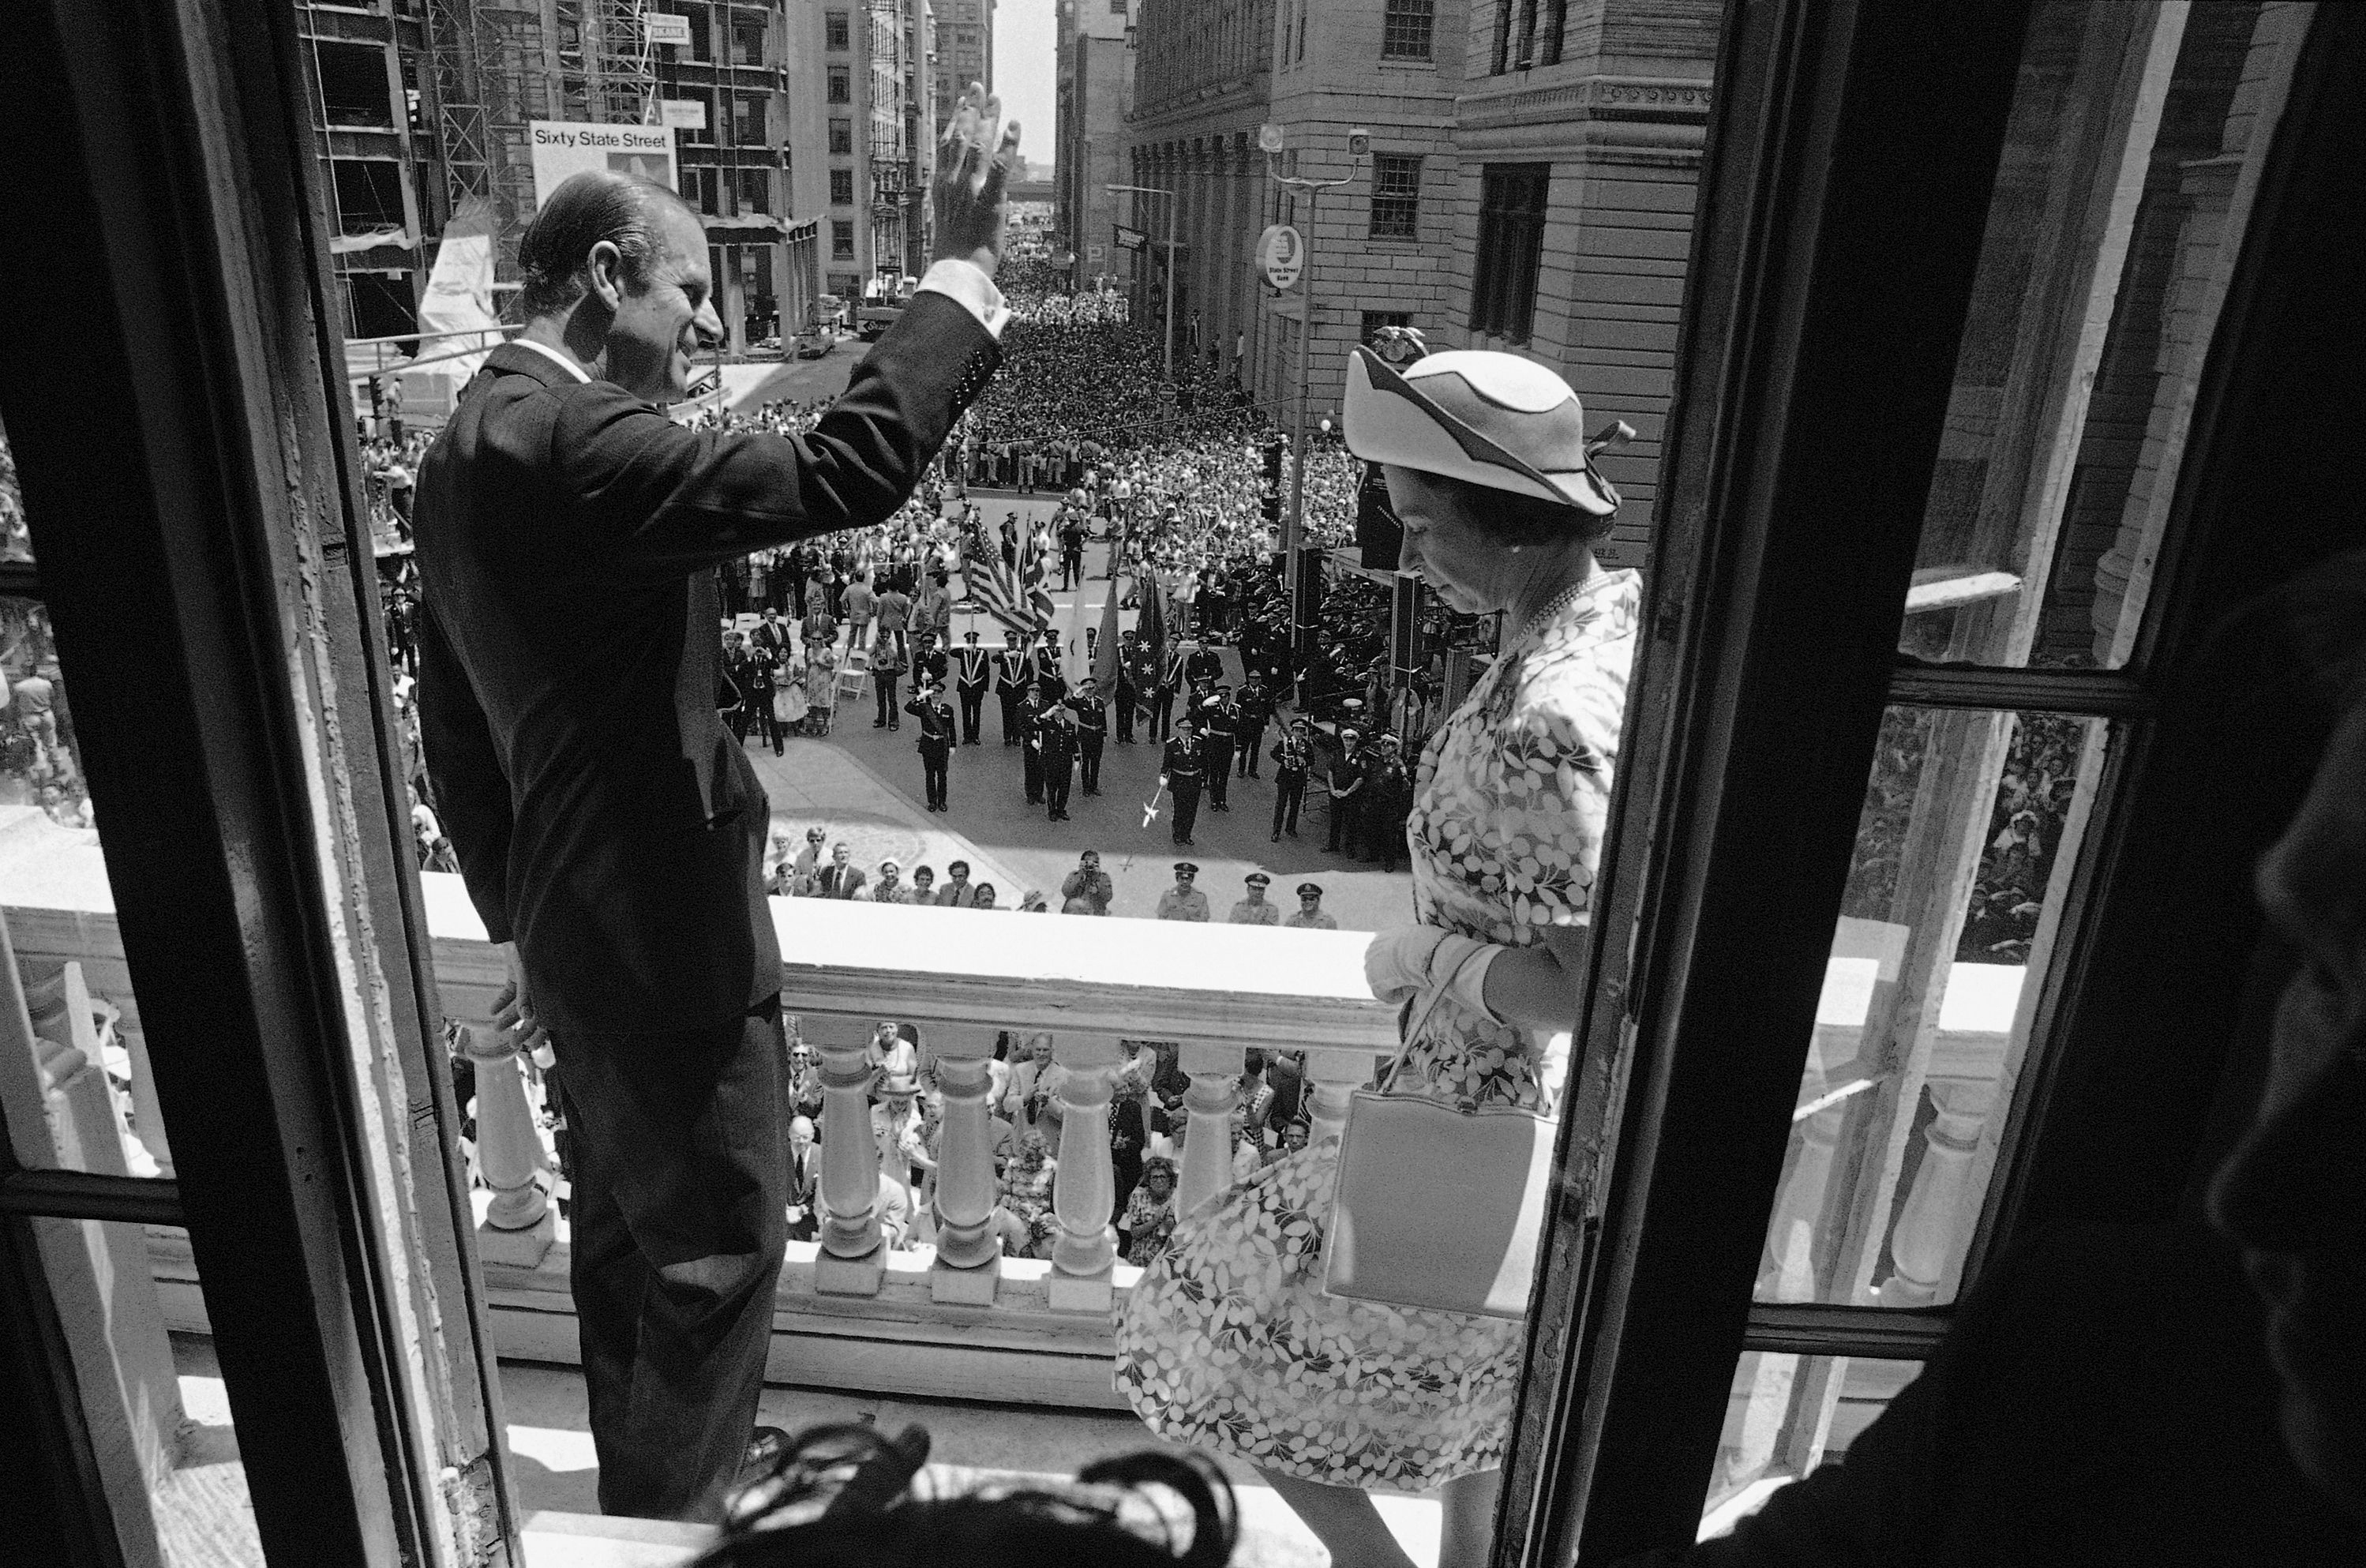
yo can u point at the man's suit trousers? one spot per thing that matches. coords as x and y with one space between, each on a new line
679 1216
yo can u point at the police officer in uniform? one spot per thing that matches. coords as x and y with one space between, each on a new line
1030 742
1252 711
1164 691
1183 901
972 673
1014 676
1348 774
1129 694
1390 803
1180 770
1049 681
1310 915
1055 747
1253 910
936 742
1216 746
928 663
1092 730
1292 756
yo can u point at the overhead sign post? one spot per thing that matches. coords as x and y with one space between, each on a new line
664 29
1281 256
564 148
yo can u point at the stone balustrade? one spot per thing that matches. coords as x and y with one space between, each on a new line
963 1317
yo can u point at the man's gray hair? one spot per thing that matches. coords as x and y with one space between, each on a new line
587 209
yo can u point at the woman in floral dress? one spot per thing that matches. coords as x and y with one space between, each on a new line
1229 1341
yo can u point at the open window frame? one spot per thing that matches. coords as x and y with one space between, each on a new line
172 373
1854 151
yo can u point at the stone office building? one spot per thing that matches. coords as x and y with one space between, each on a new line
1529 187
1095 94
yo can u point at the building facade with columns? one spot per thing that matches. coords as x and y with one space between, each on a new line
1529 187
1095 94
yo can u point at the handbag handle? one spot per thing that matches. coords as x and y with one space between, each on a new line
1412 1031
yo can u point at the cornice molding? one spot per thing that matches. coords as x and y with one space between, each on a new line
1644 98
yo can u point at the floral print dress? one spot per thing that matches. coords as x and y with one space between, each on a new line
1228 1342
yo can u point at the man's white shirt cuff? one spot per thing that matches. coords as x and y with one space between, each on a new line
966 285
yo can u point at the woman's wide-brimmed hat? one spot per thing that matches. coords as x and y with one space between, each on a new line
1490 419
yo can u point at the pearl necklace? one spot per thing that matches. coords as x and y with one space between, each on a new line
1551 607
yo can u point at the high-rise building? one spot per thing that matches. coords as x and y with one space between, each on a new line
1527 187
1095 94
964 50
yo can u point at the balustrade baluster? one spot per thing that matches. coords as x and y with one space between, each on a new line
1922 1247
146 1110
1787 1268
1332 1079
100 1271
519 1226
969 1248
1084 1190
1208 1141
852 1259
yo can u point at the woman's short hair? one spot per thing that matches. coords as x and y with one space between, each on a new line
1508 517
587 209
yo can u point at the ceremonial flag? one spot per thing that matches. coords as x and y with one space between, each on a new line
1105 654
1150 625
1016 597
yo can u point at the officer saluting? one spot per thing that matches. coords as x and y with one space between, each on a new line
936 742
1310 915
1092 730
1178 771
1216 746
972 673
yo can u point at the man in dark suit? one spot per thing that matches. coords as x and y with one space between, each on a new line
611 834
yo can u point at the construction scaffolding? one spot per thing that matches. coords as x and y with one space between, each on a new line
501 64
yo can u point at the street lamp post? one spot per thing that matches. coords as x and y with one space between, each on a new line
1269 140
1171 204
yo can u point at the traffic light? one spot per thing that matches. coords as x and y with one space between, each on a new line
1273 460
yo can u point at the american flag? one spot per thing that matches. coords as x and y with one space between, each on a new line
1019 599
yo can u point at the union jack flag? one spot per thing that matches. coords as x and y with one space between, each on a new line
1016 597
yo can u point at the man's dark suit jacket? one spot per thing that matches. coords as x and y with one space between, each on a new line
568 536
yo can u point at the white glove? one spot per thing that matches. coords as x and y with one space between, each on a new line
1412 960
1396 965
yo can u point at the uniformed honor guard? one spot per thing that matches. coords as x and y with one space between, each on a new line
1129 694
1183 901
1291 755
1178 772
1030 742
1216 746
1391 804
1014 675
1092 730
1164 691
1253 910
973 674
1310 915
1252 711
1049 681
936 742
1056 731
1349 771
928 663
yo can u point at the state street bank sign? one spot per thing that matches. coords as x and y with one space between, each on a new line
562 148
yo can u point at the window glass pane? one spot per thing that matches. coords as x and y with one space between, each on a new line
77 1096
2134 144
138 1340
1944 935
1788 1414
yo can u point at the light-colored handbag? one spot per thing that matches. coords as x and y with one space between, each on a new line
1438 1207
